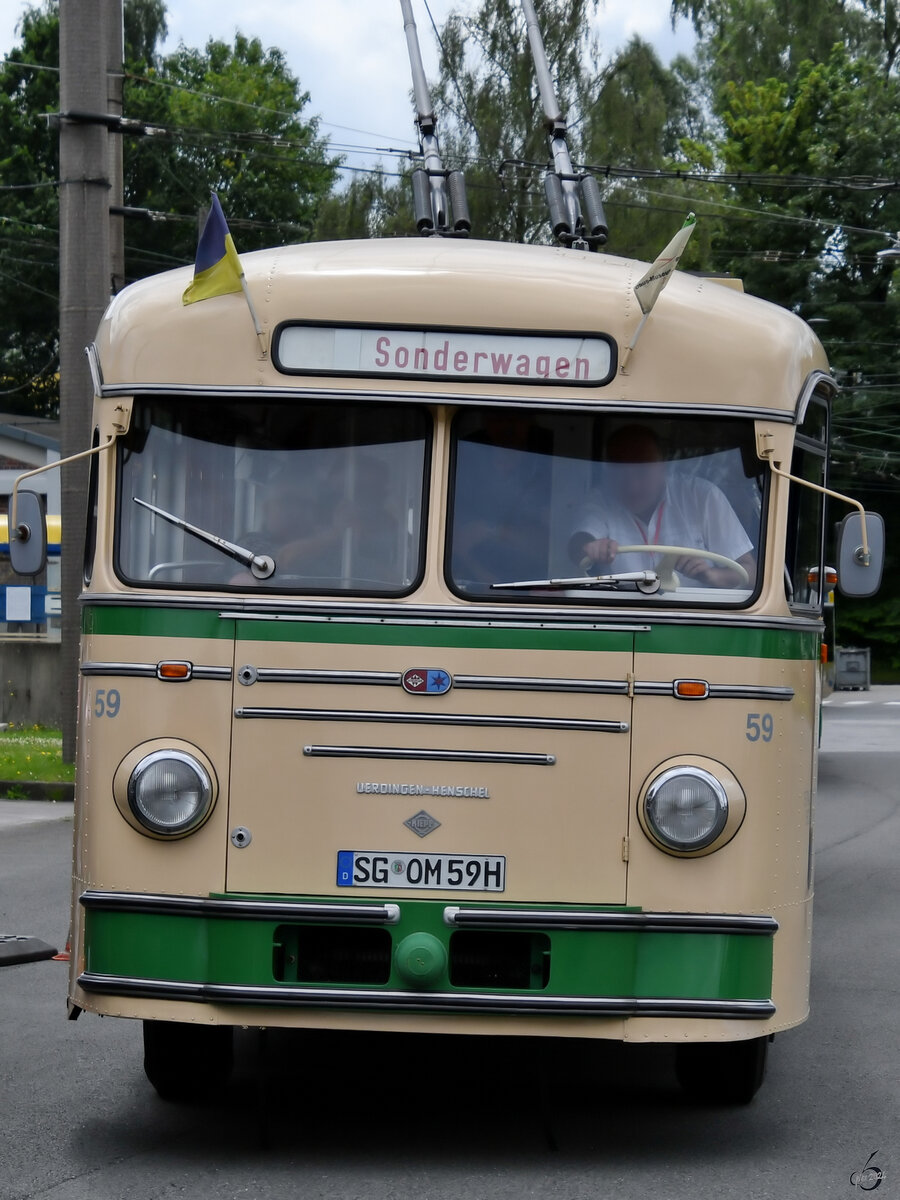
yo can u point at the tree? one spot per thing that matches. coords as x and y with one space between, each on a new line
491 125
490 119
370 206
647 116
29 217
816 122
232 121
232 116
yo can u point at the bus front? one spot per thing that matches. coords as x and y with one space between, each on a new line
438 674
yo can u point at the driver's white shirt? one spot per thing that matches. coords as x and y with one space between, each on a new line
693 513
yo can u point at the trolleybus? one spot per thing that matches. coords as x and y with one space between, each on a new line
362 745
443 668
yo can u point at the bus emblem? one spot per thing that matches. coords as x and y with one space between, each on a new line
422 823
422 680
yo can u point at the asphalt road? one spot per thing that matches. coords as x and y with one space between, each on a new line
387 1118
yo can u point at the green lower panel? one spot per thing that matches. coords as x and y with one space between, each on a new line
553 962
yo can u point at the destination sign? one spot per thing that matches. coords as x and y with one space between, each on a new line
461 355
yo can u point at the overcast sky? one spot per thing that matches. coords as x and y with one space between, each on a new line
350 55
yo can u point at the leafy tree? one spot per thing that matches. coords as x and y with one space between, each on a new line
491 124
647 116
29 217
370 206
806 96
233 116
232 121
490 117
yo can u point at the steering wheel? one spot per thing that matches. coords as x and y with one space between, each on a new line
668 580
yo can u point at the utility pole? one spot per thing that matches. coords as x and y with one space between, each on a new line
86 33
115 88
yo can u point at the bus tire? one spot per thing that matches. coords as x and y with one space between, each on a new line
187 1062
722 1072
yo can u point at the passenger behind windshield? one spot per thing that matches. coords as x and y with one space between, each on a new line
329 526
500 524
642 501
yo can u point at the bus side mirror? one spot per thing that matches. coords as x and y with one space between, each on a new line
28 537
855 577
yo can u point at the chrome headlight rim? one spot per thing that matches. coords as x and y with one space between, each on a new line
142 758
731 804
187 824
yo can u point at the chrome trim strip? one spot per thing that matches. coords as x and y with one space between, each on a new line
813 380
140 670
652 922
454 618
739 691
498 683
150 670
619 620
657 688
402 753
420 718
472 1002
598 403
93 357
716 691
513 683
253 910
284 675
223 673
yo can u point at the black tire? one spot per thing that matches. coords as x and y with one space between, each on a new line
722 1072
187 1062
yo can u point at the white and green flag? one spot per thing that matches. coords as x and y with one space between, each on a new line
652 283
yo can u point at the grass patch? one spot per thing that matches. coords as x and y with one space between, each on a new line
34 755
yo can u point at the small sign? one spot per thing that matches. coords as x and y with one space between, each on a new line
422 823
18 604
426 680
570 360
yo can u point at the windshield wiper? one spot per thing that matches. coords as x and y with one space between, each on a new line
644 581
261 565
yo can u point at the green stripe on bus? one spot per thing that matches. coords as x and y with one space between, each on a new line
743 642
699 639
145 621
235 951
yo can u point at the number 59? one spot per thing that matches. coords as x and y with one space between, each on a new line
760 726
106 703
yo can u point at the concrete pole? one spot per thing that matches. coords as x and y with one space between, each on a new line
115 80
84 289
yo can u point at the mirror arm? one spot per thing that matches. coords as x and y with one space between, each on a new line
24 534
40 471
865 557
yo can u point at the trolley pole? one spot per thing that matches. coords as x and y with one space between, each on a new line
84 289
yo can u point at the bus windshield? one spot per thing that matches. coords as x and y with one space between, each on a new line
330 496
590 507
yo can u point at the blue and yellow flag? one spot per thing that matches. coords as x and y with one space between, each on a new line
217 270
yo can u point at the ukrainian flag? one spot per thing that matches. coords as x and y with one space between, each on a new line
217 270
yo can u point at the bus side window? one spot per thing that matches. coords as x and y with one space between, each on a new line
806 510
90 533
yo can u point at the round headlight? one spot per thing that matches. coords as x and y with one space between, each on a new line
169 792
686 808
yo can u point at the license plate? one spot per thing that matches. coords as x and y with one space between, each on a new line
448 872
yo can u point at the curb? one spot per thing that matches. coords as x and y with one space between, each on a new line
32 790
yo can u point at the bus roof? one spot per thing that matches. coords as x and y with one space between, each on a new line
704 345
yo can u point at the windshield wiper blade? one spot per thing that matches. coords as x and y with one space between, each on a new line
646 581
261 565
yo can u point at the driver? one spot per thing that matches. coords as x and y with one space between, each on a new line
641 502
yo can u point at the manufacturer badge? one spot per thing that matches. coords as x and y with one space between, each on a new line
422 823
427 680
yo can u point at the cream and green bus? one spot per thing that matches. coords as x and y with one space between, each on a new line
441 673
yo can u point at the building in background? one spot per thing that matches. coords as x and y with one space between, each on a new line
30 608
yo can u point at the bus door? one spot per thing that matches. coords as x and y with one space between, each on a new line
453 760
